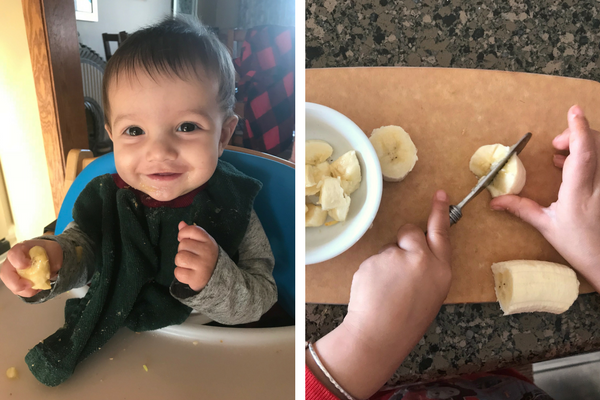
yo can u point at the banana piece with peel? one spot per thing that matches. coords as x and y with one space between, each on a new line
510 179
396 152
39 272
531 285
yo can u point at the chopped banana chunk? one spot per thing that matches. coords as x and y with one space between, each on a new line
332 194
12 373
340 213
347 169
39 272
315 216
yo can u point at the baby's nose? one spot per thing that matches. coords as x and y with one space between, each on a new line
161 149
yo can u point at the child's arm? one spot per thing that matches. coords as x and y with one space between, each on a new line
70 267
233 294
571 224
394 297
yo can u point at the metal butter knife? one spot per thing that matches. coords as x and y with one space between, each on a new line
456 211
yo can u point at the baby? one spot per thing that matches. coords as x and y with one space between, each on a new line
174 229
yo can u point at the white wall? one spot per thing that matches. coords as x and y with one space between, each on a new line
21 143
121 15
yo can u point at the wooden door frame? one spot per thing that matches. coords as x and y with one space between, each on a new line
54 48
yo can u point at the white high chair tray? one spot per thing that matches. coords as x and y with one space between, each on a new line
177 368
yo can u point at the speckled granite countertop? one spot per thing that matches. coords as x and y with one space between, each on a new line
549 37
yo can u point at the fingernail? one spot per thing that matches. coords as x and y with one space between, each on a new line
441 195
576 111
496 208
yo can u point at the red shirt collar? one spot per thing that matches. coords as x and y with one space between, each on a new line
181 201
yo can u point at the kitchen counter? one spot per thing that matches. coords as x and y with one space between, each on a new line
557 38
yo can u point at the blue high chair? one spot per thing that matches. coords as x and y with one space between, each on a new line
274 206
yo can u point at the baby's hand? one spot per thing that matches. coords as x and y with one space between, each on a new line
18 258
196 257
572 223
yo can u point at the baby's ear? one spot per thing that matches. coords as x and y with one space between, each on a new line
226 132
108 131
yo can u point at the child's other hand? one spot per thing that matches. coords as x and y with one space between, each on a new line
572 223
395 295
18 258
196 257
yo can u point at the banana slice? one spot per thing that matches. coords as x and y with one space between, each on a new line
529 286
39 272
347 169
510 179
396 152
332 195
315 216
317 151
340 213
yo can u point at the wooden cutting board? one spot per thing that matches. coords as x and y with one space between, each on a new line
450 113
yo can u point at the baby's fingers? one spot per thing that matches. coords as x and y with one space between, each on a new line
525 209
193 232
561 142
18 256
14 282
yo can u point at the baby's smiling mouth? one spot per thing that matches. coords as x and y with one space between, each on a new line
164 176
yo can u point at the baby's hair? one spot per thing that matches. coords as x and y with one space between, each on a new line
177 45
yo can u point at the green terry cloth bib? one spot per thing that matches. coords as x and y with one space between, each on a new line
134 263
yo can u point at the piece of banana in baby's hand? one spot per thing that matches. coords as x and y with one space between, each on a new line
39 272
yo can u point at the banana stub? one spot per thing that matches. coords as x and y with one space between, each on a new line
396 152
510 179
39 272
531 286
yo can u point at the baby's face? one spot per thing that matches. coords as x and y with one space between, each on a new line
168 133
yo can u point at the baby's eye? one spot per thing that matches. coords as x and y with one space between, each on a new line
187 127
134 131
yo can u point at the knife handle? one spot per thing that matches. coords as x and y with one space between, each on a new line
455 214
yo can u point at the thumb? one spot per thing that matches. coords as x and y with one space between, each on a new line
438 227
523 208
581 164
181 225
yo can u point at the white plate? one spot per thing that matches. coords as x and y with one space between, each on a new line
326 242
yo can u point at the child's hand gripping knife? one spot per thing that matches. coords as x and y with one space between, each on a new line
196 257
18 259
395 295
572 223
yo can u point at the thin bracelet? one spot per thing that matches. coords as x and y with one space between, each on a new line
314 355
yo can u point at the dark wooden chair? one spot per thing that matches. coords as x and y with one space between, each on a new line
235 39
113 37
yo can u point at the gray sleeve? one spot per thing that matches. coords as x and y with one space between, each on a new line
242 293
77 267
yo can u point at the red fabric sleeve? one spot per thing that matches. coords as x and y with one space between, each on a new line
315 389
